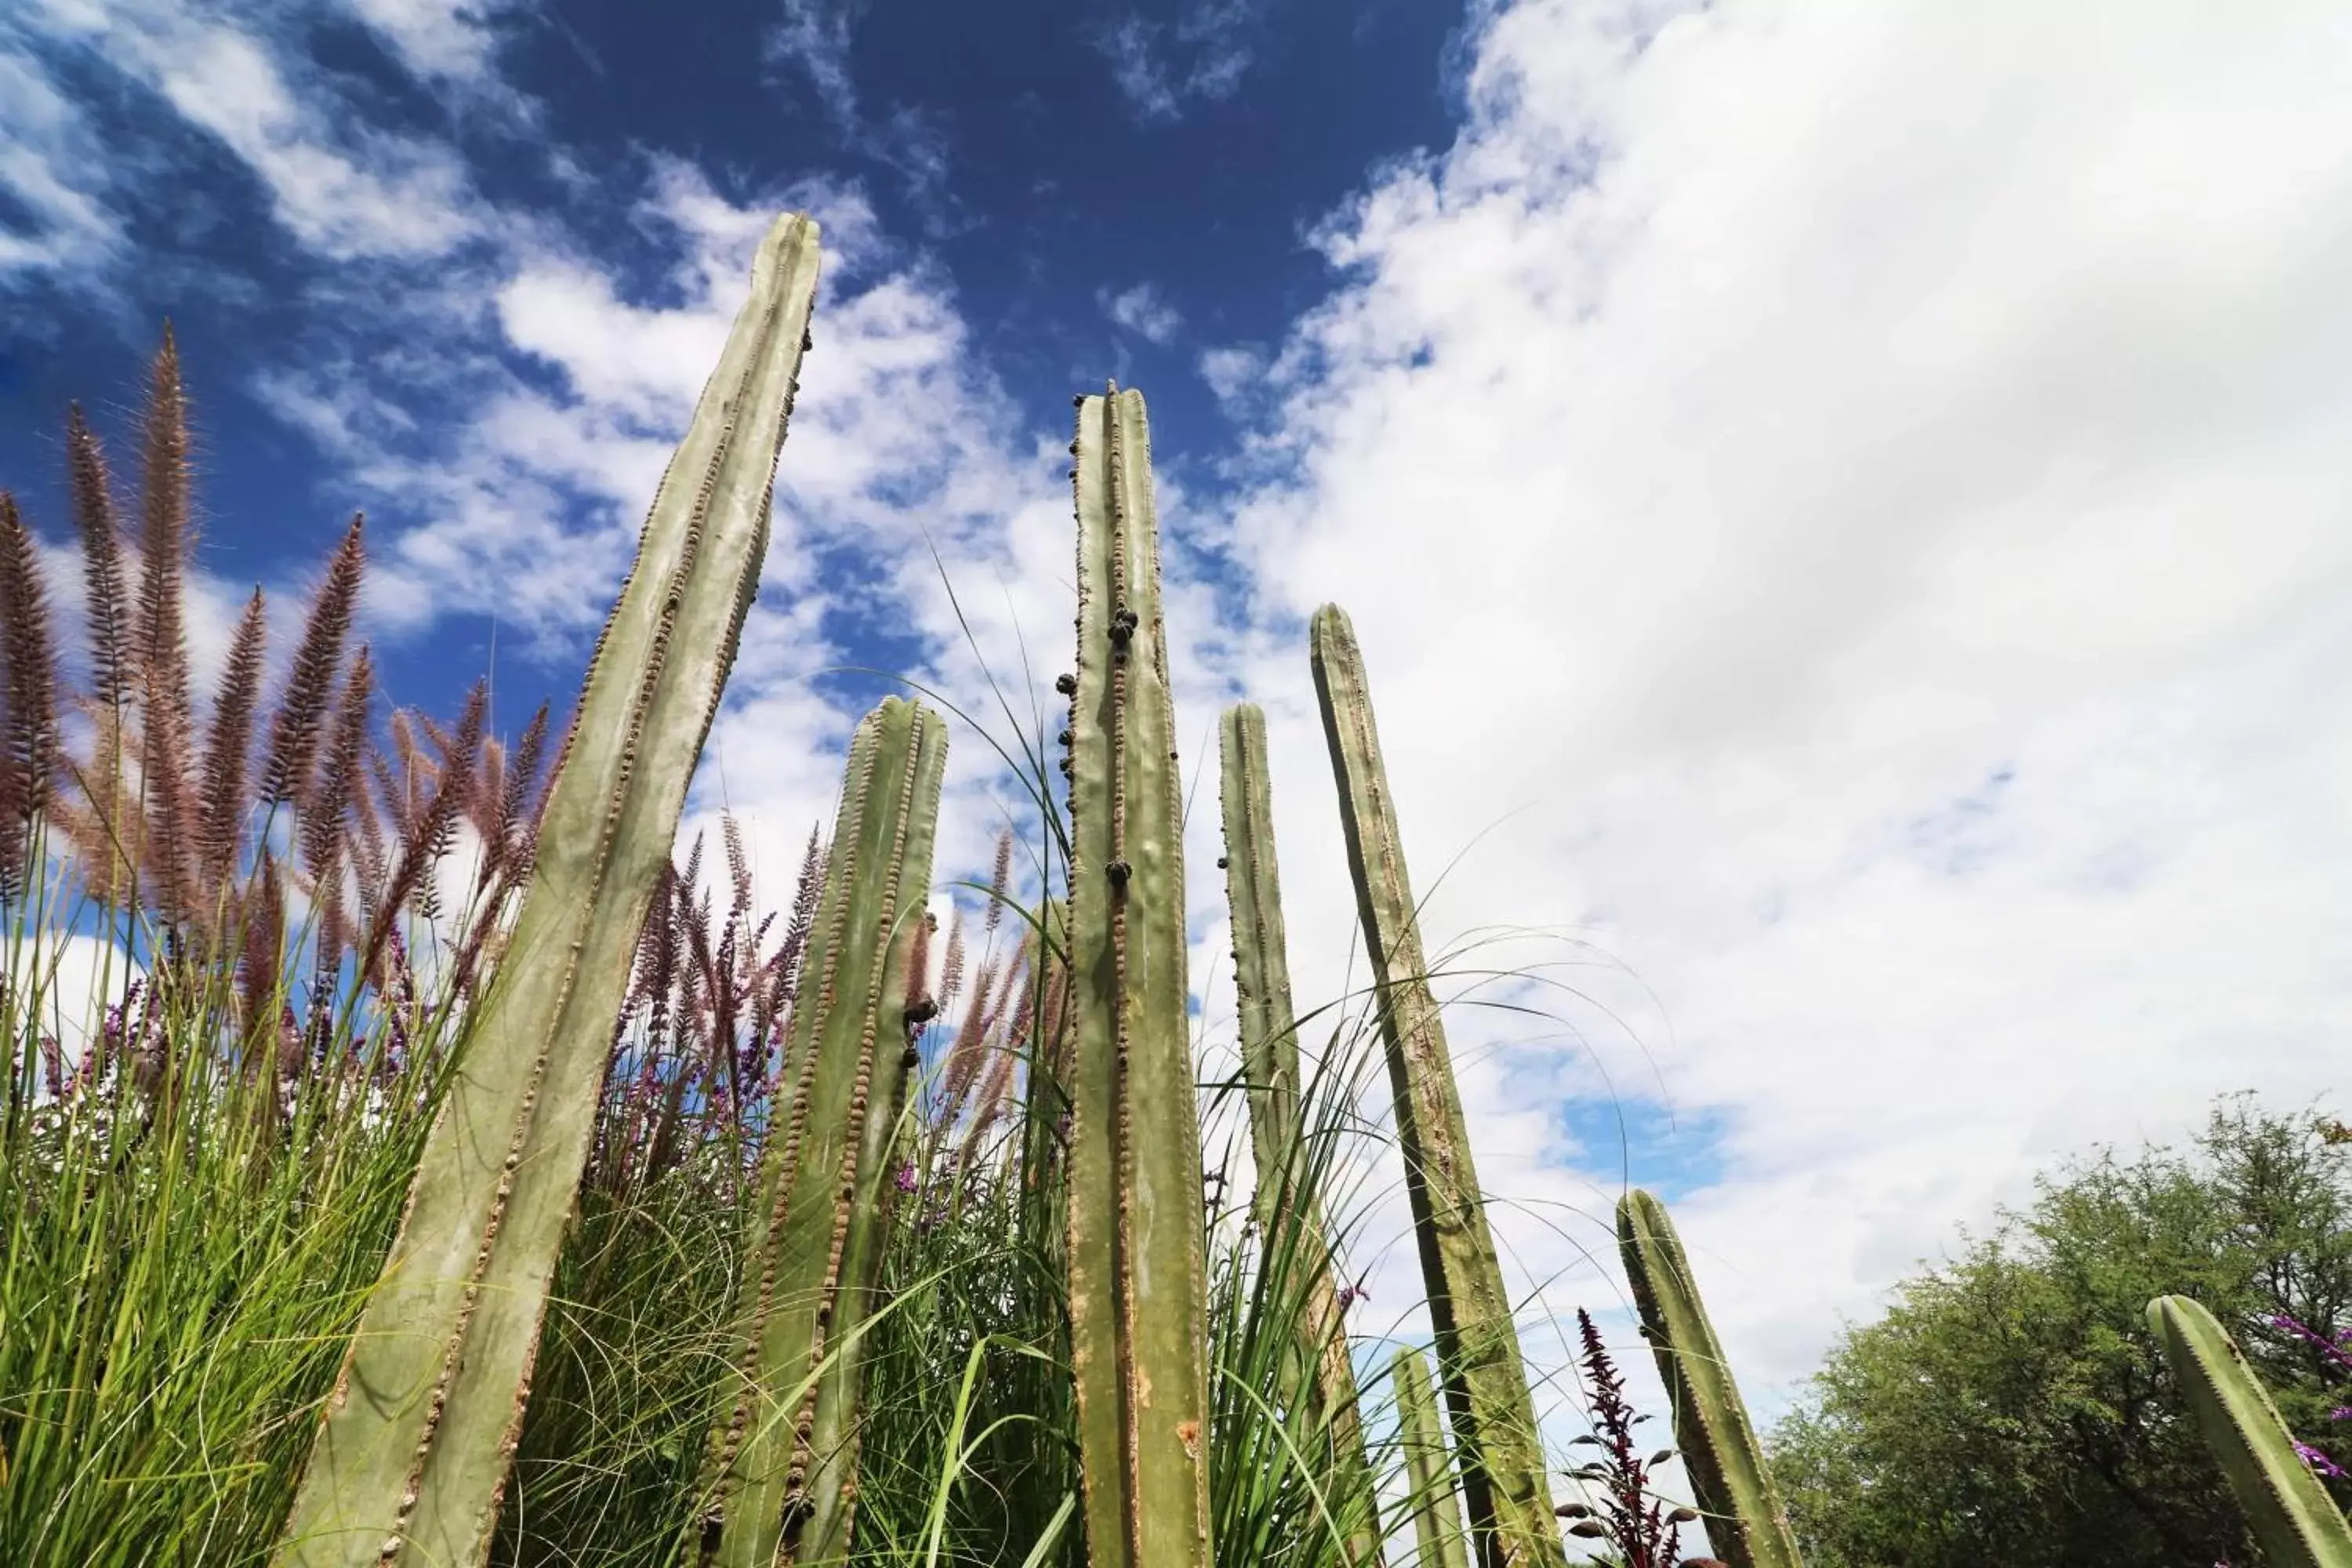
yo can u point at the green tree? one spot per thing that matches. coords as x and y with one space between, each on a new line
2011 1408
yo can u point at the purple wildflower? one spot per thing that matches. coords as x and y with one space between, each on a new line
906 1177
2318 1461
2333 1344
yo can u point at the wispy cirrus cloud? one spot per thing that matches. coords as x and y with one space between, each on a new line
810 40
344 188
449 43
63 225
1163 66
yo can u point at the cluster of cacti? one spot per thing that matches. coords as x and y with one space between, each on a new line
2293 1519
780 1479
1497 1448
1090 1011
1138 1291
412 1456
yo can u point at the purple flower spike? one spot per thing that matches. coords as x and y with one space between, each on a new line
906 1178
2341 1412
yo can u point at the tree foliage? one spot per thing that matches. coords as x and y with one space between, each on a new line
2011 1406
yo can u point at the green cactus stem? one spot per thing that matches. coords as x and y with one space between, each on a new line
1504 1484
780 1481
1739 1507
1436 1516
2296 1522
1269 1040
419 1433
1139 1291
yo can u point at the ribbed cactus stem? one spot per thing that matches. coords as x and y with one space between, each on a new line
1504 1484
1047 1087
1138 1293
2297 1524
1741 1511
778 1483
1269 1041
1436 1514
419 1433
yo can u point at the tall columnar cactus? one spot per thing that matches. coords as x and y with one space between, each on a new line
1496 1441
1436 1516
1269 1040
2297 1523
1741 1509
780 1481
1139 1292
420 1430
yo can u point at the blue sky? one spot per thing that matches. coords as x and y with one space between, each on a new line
1845 505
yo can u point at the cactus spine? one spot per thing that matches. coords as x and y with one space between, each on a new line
779 1477
1436 1520
2293 1517
1269 1040
1138 1294
1745 1520
1501 1456
417 1438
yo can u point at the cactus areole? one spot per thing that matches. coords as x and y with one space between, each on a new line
1738 1502
1138 1294
779 1475
417 1438
1503 1488
2297 1523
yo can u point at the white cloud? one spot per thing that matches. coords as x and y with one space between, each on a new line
1765 427
344 190
1143 310
50 168
1232 373
1161 68
811 40
453 42
1762 431
813 37
374 194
